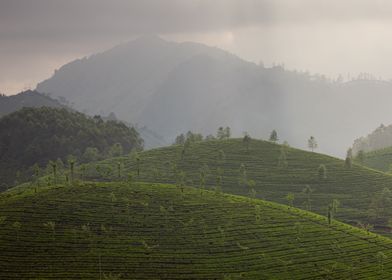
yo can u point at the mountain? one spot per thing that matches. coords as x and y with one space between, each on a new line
175 87
267 171
152 231
36 135
29 98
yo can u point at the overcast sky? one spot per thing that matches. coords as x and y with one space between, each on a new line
328 37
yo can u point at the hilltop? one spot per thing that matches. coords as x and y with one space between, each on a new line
29 98
264 172
36 135
172 87
150 231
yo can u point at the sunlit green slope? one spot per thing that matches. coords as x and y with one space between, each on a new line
153 231
353 187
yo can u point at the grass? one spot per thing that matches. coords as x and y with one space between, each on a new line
160 231
354 187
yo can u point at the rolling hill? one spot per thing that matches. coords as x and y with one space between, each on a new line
152 231
173 87
29 98
219 162
37 135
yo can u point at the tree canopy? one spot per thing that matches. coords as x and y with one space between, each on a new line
37 135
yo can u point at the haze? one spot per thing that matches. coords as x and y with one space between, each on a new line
326 37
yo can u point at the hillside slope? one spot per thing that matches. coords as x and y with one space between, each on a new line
36 135
354 187
29 98
144 231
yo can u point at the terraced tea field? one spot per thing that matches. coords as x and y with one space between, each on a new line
153 231
354 187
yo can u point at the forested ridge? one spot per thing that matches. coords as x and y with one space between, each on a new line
36 135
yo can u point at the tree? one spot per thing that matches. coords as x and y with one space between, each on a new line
312 143
243 180
119 165
290 199
227 131
71 163
348 161
116 150
360 157
223 133
220 134
274 136
91 154
180 139
137 157
37 173
381 204
322 172
246 140
308 191
54 171
282 160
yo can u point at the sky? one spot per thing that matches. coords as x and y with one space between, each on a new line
329 37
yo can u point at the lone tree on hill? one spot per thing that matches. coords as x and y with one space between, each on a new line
312 143
322 171
223 133
180 139
290 199
53 164
348 161
274 136
282 160
246 140
308 191
71 162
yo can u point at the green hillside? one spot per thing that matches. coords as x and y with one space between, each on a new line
274 178
152 231
379 159
36 135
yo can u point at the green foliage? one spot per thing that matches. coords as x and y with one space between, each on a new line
312 143
158 231
274 136
37 135
322 172
223 133
354 187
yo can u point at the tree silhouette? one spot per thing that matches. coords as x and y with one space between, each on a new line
273 136
312 143
246 140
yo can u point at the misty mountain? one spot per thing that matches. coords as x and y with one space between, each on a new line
29 98
174 87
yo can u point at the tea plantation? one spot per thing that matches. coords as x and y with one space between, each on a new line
238 169
153 231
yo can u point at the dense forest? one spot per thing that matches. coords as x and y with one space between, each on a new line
37 135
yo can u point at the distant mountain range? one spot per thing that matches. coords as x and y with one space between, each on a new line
174 87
